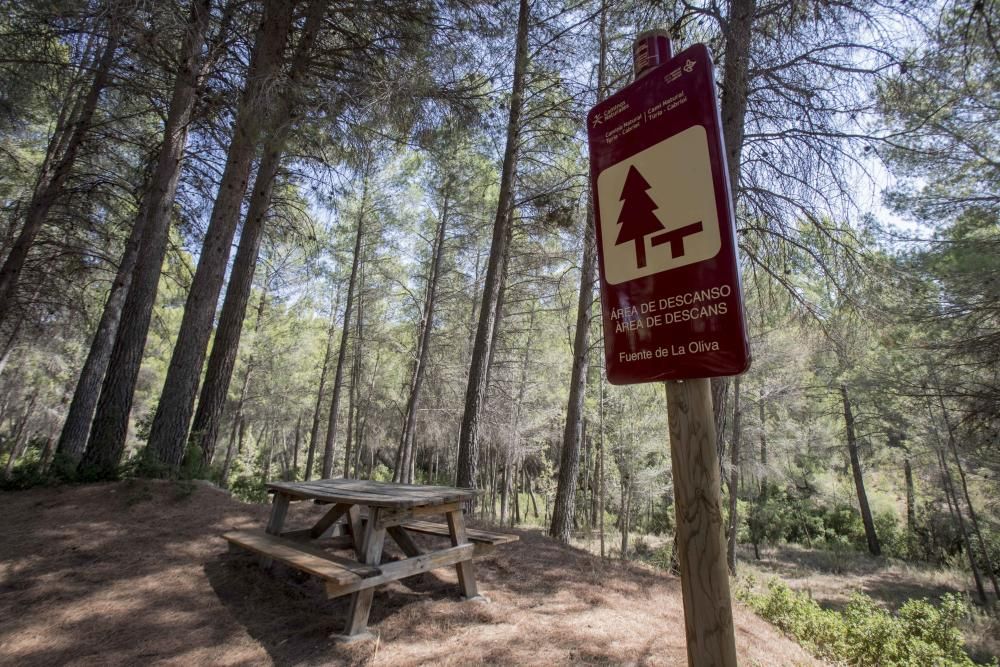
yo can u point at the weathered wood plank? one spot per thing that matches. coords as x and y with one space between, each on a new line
403 539
361 601
474 535
465 569
329 519
373 494
302 556
396 516
404 568
357 530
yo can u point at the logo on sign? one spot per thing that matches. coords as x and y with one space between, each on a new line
658 209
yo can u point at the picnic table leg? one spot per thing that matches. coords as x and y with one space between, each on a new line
361 601
357 530
279 510
465 569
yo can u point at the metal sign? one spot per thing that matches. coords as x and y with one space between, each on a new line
670 283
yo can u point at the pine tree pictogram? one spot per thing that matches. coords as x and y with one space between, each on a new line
637 219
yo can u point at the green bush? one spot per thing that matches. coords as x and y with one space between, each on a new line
865 634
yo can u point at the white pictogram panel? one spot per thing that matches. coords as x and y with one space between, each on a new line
658 209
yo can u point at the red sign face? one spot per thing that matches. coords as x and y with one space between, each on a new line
670 283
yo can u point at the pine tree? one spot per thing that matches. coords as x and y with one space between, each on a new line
637 219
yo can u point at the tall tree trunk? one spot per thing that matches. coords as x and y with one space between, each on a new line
911 504
733 108
468 447
949 488
734 477
169 430
338 377
73 438
49 184
564 510
405 455
110 425
318 408
241 403
226 343
973 517
763 448
600 459
859 480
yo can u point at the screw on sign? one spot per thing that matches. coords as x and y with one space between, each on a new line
671 299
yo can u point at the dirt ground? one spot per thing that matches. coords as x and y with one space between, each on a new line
136 572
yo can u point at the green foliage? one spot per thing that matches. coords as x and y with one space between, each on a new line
864 634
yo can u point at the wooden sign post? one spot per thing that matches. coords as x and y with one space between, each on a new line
701 553
671 298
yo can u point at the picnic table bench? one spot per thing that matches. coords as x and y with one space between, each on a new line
363 513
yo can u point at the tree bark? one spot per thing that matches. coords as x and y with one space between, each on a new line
318 409
225 345
734 477
169 430
859 481
73 438
949 489
973 517
49 184
405 456
468 447
110 425
338 377
911 505
564 510
737 31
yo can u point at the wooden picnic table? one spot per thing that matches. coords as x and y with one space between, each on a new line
363 513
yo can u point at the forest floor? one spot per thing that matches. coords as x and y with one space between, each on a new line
831 577
136 572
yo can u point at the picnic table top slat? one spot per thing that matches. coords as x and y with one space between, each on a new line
374 494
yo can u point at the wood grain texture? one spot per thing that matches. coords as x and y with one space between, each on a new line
373 494
361 601
401 569
708 614
466 571
472 534
301 556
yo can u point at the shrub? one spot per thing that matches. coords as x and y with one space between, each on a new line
865 634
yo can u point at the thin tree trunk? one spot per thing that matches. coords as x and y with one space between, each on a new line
600 458
318 409
911 504
564 512
295 449
110 425
734 477
405 455
226 343
973 517
468 448
169 430
331 430
859 480
949 487
733 108
49 185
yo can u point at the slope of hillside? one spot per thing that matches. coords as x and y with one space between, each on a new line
136 572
